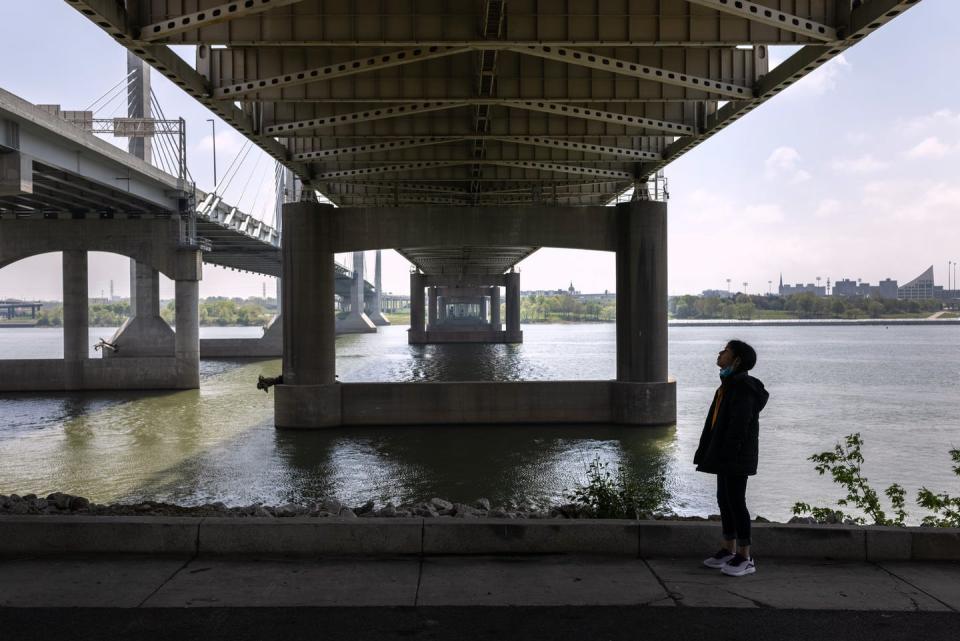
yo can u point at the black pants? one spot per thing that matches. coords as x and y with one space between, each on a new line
732 499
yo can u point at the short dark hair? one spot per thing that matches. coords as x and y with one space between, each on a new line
746 354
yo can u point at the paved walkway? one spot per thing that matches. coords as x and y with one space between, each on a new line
462 597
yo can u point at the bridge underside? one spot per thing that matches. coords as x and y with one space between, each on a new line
480 116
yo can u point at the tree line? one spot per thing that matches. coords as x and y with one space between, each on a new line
213 311
565 308
804 305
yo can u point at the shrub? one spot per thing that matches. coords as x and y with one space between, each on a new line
844 464
609 496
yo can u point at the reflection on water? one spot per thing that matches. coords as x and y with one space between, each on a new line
896 386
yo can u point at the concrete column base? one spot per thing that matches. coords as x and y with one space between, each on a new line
355 323
270 345
527 402
463 336
378 319
300 406
134 373
142 336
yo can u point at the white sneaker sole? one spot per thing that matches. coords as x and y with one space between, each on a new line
719 564
750 569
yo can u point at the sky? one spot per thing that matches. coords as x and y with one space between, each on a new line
854 172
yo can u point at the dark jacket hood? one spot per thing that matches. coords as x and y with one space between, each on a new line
752 385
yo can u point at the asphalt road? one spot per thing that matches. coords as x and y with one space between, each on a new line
471 623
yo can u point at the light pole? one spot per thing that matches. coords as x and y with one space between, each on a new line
213 126
728 285
769 288
745 283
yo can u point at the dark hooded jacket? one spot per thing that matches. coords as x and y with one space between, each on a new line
731 445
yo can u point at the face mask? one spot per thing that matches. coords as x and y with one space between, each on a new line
727 371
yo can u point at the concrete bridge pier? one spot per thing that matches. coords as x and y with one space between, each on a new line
642 388
309 395
356 321
512 282
144 333
375 310
482 326
76 318
187 338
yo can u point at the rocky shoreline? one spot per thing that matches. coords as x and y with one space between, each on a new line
60 503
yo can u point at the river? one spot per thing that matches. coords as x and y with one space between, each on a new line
898 386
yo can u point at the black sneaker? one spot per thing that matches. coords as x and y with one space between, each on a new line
719 559
739 565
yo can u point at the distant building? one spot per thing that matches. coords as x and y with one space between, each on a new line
920 288
800 288
716 293
846 287
850 288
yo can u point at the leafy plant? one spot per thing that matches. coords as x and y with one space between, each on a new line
946 509
617 496
844 465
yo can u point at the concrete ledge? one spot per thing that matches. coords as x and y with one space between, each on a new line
240 348
310 536
500 536
305 536
463 336
476 402
97 534
133 373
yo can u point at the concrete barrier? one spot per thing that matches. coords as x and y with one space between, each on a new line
98 534
306 536
548 536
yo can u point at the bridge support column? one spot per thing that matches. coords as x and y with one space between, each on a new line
145 333
495 308
483 309
357 321
376 314
512 281
643 393
309 395
417 329
432 317
76 317
642 292
187 336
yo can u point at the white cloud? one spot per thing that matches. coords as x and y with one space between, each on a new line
929 148
937 121
824 79
783 164
828 208
864 164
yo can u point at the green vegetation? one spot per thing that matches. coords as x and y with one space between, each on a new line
214 311
608 496
563 308
224 312
844 463
806 305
